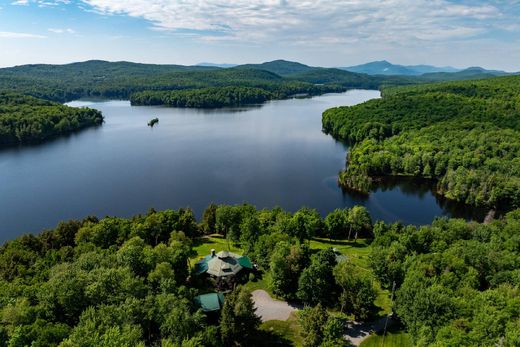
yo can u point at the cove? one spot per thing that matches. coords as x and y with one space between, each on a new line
269 155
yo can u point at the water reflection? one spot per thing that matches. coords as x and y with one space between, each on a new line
422 191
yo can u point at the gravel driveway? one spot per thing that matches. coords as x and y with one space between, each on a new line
358 332
270 309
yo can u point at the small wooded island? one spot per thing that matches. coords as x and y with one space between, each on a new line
153 122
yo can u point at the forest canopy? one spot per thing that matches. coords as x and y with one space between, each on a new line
122 79
465 135
25 119
458 283
129 281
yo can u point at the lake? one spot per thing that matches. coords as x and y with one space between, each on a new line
269 155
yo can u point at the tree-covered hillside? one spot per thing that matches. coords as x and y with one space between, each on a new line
458 283
465 135
24 119
279 67
119 80
122 79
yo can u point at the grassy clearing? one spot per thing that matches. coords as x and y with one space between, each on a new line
396 338
357 251
203 246
282 333
383 302
260 283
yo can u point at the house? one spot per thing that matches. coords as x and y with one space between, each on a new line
223 266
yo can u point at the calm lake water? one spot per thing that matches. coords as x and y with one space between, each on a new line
270 155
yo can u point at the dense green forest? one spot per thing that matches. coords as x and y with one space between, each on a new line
25 119
465 135
203 98
128 282
228 96
278 79
458 283
122 79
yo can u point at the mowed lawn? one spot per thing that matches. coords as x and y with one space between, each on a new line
281 333
392 339
202 246
358 251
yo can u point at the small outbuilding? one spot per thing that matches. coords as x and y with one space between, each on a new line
211 302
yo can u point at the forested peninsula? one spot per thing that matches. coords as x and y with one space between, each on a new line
132 282
215 97
25 119
464 135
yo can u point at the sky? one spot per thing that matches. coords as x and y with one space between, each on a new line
459 33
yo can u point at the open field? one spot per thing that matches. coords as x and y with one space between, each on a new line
357 251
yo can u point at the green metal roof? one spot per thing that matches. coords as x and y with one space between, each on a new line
202 265
222 264
210 302
245 262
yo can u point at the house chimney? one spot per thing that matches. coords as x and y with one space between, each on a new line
213 253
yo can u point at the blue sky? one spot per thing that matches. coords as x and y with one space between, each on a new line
321 32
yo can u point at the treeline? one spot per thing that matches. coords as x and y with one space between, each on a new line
465 135
203 98
458 283
103 79
24 119
214 97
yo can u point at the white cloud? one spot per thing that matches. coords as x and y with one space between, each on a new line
41 3
62 31
13 35
328 21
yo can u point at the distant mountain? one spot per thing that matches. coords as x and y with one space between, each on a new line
478 69
280 67
339 77
467 74
422 69
224 66
384 67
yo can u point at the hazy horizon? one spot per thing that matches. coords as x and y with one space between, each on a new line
213 63
323 33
